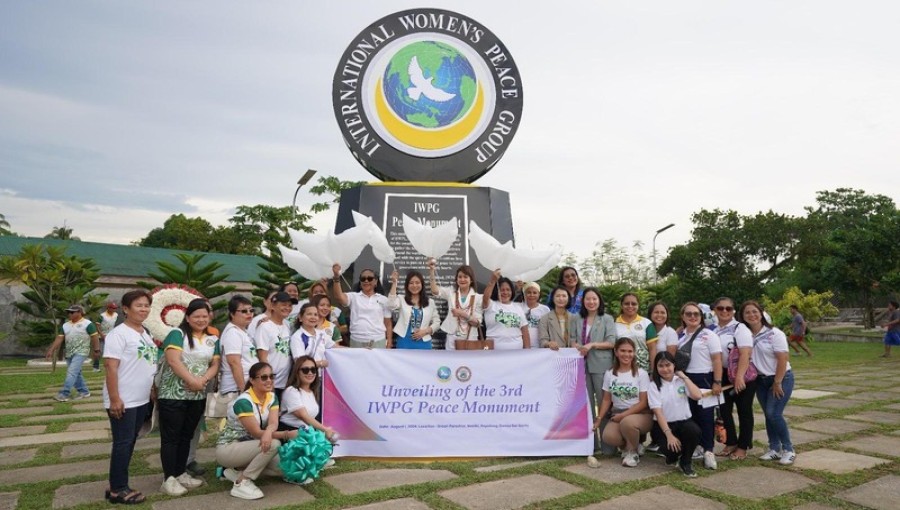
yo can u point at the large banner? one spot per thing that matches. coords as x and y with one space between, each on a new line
396 403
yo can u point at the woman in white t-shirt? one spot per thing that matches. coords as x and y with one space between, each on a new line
625 399
673 429
734 335
659 316
775 381
129 358
370 317
308 339
534 311
299 406
705 369
504 321
463 306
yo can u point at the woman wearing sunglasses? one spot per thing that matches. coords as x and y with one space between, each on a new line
734 335
705 370
248 445
299 407
370 316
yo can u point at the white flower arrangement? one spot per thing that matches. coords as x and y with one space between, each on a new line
167 310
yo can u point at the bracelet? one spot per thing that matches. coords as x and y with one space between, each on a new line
667 431
717 382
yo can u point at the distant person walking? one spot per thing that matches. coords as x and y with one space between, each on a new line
107 321
892 328
798 331
82 340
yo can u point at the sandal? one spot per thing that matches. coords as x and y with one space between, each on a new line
127 497
738 456
727 451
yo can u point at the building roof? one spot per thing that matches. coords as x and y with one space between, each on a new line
136 261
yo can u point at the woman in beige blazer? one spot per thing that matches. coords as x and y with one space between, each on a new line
553 328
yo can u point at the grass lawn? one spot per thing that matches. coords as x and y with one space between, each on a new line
832 363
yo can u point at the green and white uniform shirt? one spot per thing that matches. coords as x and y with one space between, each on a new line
275 339
643 332
246 404
78 337
197 360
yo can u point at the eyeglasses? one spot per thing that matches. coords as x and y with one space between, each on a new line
365 279
570 275
691 314
629 304
244 310
307 370
724 308
266 377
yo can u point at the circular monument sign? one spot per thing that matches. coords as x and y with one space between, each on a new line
427 95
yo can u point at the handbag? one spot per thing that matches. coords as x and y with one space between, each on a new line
683 353
733 357
217 404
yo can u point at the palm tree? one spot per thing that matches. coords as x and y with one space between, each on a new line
63 232
4 227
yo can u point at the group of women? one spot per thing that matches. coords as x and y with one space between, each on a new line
643 376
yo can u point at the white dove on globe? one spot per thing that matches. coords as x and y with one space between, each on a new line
422 86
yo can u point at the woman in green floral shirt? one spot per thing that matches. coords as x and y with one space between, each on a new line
191 361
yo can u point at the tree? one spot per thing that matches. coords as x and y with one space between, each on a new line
54 282
63 232
5 227
814 306
732 254
330 187
261 228
191 272
852 244
181 233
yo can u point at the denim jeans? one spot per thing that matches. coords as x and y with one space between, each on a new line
124 432
773 409
704 417
74 377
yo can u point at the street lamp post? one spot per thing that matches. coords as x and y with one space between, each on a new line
655 273
300 183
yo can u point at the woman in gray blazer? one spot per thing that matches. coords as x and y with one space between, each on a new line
553 327
593 333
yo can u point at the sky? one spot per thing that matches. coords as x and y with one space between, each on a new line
115 115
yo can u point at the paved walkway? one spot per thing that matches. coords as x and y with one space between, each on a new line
845 424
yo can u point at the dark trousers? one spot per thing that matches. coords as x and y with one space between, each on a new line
704 418
178 420
124 433
744 403
686 431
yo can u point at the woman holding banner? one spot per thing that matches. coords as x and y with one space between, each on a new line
504 320
463 307
593 332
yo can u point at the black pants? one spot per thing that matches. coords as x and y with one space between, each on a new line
744 403
704 417
178 420
686 431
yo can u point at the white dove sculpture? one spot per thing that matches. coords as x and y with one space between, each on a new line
375 238
422 86
432 242
304 266
510 261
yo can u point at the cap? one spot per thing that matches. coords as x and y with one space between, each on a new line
283 297
112 305
75 308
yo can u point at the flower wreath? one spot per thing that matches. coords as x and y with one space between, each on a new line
167 311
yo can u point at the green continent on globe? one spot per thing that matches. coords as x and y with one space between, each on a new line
443 95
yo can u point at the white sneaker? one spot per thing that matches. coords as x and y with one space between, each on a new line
328 464
641 450
230 474
770 455
246 490
593 462
709 460
173 487
189 482
787 458
631 460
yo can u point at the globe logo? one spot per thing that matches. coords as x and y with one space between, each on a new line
429 84
443 373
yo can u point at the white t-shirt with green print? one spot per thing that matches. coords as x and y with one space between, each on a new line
235 340
276 341
137 356
78 337
196 359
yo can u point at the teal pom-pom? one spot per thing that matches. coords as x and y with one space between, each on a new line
304 456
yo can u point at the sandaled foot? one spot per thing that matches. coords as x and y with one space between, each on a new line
738 454
127 497
727 451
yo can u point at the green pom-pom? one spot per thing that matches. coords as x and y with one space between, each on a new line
304 456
